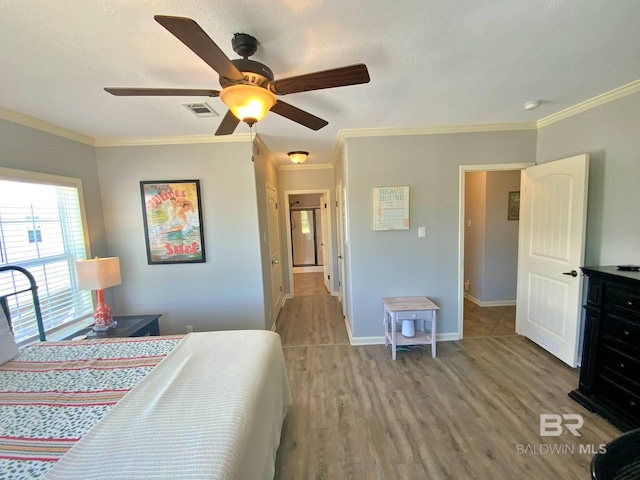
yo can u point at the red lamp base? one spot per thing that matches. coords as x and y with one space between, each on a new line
102 315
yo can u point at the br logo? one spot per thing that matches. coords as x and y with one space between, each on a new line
552 424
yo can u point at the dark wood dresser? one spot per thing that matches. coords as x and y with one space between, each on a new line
610 371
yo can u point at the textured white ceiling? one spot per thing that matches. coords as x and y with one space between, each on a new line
432 62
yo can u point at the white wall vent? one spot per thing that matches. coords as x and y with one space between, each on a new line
201 109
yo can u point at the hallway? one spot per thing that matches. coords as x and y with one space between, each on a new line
312 317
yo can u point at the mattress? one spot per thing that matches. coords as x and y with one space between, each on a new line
209 405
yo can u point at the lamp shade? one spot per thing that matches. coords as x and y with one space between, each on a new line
98 273
298 156
247 102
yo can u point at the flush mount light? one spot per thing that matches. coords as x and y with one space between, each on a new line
247 102
298 156
533 104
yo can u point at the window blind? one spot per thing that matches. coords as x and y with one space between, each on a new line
41 230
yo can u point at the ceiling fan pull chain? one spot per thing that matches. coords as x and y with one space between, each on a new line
251 137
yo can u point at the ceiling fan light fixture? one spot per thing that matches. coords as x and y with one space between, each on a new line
298 156
248 103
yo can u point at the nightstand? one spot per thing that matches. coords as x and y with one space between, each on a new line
128 326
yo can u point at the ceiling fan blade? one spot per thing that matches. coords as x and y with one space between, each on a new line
298 116
189 32
162 92
336 77
228 124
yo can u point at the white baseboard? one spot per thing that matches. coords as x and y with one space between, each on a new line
497 303
308 269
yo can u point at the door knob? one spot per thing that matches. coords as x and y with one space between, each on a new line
274 262
572 273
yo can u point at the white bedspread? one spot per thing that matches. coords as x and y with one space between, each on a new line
211 409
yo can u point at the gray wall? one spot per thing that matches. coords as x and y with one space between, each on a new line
398 263
25 148
610 134
491 241
474 231
309 200
501 239
226 292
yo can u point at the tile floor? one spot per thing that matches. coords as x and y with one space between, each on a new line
488 321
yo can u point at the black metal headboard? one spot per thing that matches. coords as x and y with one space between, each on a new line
34 294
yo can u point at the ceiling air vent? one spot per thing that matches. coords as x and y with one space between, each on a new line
201 109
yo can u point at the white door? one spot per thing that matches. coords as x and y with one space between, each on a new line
325 242
553 212
274 249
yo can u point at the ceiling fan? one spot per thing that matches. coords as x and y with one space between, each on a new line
248 86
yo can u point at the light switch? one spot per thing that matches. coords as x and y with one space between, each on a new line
421 232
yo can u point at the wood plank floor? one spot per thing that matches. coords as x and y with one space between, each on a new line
311 283
356 414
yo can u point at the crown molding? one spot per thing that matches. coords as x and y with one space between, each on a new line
32 122
170 140
338 150
320 166
615 94
257 140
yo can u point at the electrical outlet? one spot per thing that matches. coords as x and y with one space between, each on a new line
189 328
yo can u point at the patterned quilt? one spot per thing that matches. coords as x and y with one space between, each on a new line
54 392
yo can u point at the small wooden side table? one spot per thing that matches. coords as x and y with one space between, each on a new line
419 309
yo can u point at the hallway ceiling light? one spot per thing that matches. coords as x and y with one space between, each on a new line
298 156
532 105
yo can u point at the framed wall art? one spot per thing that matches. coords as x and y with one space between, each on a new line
173 227
391 208
514 206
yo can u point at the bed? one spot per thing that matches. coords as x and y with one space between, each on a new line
206 405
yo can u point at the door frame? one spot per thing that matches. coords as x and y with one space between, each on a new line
277 306
340 245
287 213
493 167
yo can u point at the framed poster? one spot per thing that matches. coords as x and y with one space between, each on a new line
514 206
391 208
172 221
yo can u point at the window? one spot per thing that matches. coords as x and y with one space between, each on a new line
42 230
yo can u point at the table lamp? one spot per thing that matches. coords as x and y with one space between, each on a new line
98 274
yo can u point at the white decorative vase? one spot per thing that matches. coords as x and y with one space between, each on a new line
408 328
